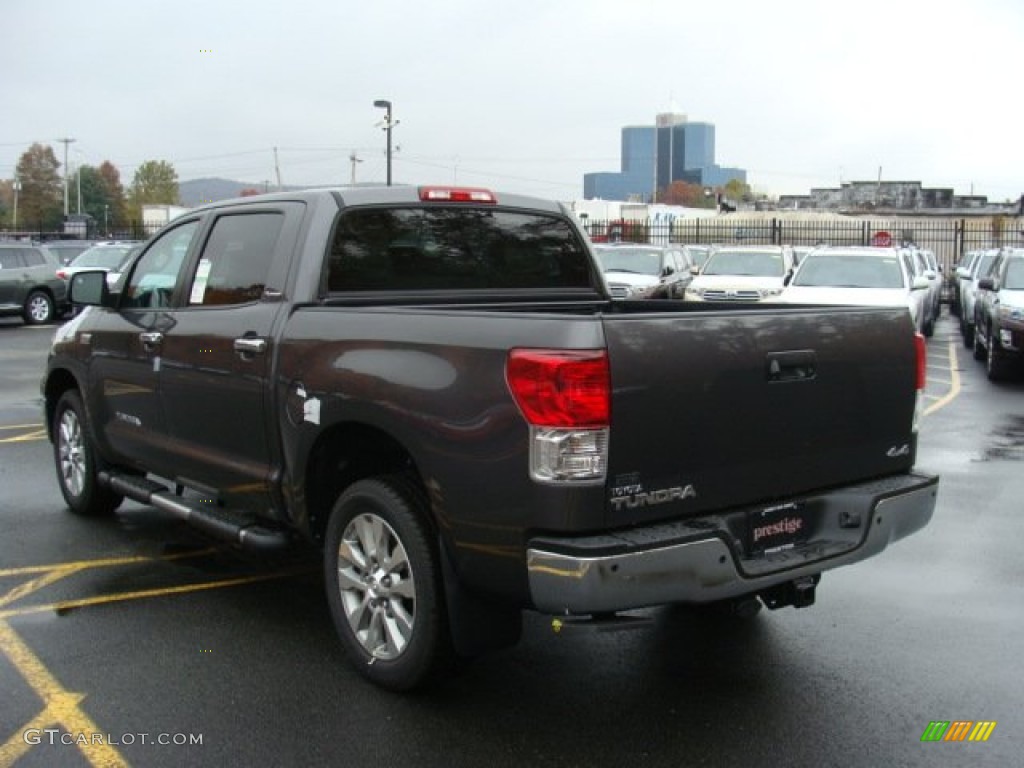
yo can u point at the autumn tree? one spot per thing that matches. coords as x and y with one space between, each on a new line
249 192
111 176
686 194
40 201
155 183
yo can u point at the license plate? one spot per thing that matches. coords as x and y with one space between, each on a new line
777 528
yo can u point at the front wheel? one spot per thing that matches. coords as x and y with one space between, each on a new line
384 583
994 363
39 308
76 461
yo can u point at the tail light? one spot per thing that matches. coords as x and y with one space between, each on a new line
921 377
62 274
565 397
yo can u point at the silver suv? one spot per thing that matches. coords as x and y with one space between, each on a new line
29 285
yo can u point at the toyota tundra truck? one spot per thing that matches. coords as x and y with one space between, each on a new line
434 386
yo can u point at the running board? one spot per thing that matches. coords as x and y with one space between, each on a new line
234 528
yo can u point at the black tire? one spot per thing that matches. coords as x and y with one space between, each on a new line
39 308
388 610
995 366
979 350
76 461
968 331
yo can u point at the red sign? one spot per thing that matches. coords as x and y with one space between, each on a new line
881 239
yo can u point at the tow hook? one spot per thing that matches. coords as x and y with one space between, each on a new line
799 593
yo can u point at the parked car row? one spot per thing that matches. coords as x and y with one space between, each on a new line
989 298
33 282
826 274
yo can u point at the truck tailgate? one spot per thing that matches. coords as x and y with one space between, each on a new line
713 408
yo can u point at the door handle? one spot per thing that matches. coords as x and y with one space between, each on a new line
151 339
250 346
798 365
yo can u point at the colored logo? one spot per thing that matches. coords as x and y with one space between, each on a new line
958 730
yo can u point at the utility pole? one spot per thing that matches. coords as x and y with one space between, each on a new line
65 142
388 125
277 170
353 159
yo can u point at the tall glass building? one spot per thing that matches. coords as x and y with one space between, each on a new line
654 156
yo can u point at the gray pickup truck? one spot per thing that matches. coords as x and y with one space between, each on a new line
434 385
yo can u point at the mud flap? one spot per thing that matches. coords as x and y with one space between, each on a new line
477 625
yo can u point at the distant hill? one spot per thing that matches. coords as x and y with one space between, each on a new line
198 191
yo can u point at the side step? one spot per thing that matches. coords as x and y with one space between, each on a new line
232 527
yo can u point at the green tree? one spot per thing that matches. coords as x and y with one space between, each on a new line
155 183
117 216
40 201
737 190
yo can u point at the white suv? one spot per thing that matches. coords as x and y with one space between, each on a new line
742 273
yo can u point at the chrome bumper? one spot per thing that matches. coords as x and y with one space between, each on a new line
699 563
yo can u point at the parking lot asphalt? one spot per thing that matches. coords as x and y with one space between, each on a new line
134 641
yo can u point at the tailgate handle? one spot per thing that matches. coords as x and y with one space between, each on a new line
798 365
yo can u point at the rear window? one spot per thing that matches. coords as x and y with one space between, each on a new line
454 248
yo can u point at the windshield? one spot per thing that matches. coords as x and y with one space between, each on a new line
747 263
1015 275
850 271
642 260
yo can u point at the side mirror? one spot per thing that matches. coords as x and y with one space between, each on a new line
89 287
987 284
920 283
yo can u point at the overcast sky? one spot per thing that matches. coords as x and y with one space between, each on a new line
520 95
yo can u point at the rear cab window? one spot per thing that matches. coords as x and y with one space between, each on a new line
455 248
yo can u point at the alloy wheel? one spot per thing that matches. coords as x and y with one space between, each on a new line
378 590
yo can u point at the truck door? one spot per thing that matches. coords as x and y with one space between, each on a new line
127 353
215 383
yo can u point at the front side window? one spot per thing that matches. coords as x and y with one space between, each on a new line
419 249
156 272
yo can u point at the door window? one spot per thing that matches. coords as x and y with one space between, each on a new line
156 272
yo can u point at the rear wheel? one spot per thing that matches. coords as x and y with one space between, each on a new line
384 584
967 330
39 308
995 365
77 462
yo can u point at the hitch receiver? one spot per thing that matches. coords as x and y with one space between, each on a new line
799 593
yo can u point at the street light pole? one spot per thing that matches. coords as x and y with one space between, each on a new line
17 189
386 105
65 142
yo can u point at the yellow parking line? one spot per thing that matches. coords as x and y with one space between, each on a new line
954 384
36 584
104 562
66 605
61 707
21 426
27 437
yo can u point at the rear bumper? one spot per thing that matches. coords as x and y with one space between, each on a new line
703 560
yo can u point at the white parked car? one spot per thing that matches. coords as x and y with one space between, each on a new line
742 273
980 268
859 276
106 256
